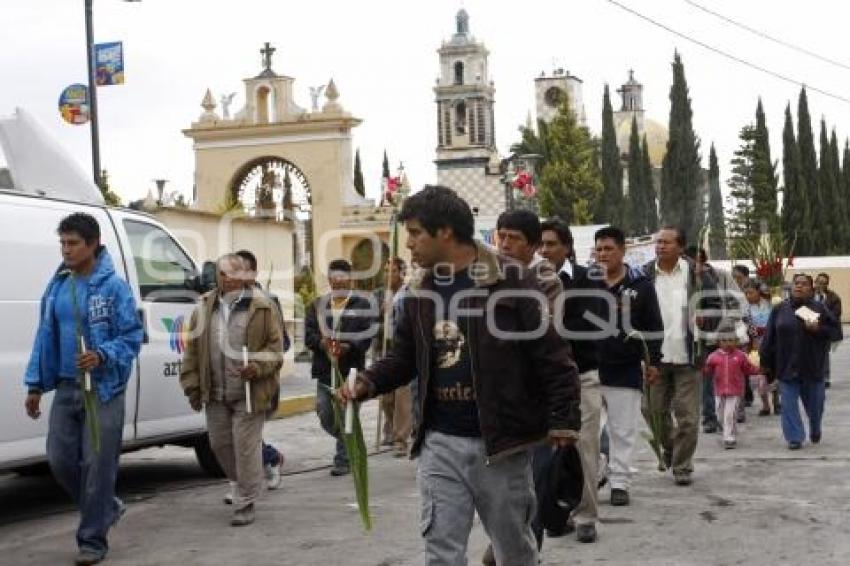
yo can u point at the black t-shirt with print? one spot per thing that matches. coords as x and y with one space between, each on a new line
452 407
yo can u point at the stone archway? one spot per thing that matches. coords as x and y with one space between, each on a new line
271 186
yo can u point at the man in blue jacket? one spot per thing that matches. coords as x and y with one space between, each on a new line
85 298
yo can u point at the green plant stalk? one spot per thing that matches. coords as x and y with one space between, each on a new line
656 418
89 397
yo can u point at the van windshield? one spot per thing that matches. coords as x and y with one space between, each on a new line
165 272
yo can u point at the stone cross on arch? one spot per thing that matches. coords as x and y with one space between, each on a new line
267 53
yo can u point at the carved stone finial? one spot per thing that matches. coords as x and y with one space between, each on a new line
208 104
332 95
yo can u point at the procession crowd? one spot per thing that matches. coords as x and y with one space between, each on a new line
515 376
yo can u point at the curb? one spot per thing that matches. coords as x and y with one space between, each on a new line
297 405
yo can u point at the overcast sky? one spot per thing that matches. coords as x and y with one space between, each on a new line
382 55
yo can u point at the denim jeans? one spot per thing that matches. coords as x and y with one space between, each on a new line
271 455
812 394
325 410
88 477
709 412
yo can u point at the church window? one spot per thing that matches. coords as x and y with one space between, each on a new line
439 125
472 106
263 100
460 118
481 122
459 73
447 124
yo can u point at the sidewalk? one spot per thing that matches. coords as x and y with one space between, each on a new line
757 505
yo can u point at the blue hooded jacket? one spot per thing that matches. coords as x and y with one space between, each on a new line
113 330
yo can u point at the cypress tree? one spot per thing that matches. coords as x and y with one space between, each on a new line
764 182
359 186
385 172
845 173
743 223
795 204
571 182
637 200
840 210
826 217
681 170
814 235
610 208
650 201
717 237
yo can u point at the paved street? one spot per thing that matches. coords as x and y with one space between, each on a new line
757 505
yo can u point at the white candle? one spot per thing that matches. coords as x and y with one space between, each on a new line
87 374
349 408
247 383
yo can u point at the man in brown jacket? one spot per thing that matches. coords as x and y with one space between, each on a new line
231 368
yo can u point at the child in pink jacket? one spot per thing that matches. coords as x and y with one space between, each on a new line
729 367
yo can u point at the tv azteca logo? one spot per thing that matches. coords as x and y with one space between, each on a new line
176 340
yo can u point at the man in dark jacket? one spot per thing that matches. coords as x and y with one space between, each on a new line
794 352
557 247
829 298
495 380
689 306
339 324
623 361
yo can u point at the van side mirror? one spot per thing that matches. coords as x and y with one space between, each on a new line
208 279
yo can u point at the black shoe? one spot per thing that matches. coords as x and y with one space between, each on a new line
710 427
815 438
827 385
742 418
87 558
668 459
795 445
586 533
340 471
619 497
764 412
683 478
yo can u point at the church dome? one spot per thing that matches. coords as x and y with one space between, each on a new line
656 138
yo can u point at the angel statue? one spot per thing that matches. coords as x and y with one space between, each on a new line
315 93
226 101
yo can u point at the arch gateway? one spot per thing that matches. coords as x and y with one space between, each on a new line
280 178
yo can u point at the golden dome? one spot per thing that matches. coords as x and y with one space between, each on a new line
656 137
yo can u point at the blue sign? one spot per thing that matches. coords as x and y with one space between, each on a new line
109 63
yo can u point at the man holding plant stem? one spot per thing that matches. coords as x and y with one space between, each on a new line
85 299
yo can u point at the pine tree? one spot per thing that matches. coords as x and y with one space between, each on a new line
681 172
815 235
637 200
765 182
845 173
717 238
385 172
795 204
743 223
840 205
826 217
359 185
610 208
570 183
650 200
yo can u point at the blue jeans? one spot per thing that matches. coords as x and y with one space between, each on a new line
812 394
88 477
709 411
271 455
325 410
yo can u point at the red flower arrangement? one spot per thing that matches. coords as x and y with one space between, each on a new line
524 182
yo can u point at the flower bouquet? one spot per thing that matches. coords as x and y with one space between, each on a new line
772 254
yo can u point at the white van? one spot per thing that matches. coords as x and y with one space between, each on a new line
165 281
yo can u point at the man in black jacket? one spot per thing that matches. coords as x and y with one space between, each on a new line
557 247
339 323
495 380
623 361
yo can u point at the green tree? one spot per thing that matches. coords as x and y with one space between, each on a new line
359 186
840 205
845 172
743 223
637 201
765 182
816 234
570 182
681 172
651 202
109 197
827 218
795 219
611 206
716 221
385 171
534 142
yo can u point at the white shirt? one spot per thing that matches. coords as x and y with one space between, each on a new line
672 291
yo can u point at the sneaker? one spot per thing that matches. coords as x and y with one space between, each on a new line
488 559
569 527
586 533
243 516
619 497
87 557
710 427
273 477
683 478
742 418
337 471
120 509
795 445
729 444
231 493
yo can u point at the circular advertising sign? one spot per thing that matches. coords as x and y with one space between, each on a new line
74 104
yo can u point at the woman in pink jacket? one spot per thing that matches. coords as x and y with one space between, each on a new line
729 367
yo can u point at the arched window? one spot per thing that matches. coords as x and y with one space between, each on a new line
459 73
263 105
460 118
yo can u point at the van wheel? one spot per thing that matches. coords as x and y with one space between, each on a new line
206 457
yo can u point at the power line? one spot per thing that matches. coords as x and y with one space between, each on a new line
768 37
728 55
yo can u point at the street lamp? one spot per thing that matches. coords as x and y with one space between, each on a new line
95 136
